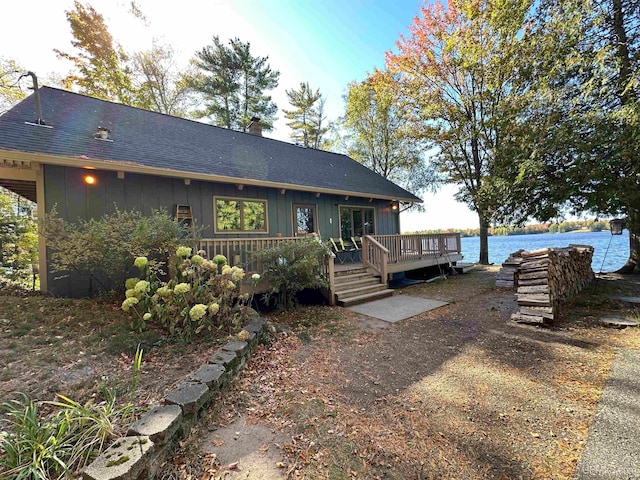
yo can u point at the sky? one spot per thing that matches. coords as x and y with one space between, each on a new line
327 43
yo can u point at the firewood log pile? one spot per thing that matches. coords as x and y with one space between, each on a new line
546 277
506 274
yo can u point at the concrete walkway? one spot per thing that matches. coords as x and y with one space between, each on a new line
396 308
613 446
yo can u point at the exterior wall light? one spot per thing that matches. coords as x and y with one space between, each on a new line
89 179
395 205
616 225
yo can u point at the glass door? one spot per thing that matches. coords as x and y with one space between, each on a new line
356 222
304 219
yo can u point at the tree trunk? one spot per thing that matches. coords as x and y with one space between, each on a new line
484 240
622 52
626 96
633 225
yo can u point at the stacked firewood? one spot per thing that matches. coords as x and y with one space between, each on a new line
546 277
506 275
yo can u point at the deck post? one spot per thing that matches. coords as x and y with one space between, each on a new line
385 267
365 252
331 267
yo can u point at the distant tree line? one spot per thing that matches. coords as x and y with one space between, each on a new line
559 227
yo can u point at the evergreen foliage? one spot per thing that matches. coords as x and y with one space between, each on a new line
307 117
233 83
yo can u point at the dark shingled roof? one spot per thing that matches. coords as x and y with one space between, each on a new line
150 139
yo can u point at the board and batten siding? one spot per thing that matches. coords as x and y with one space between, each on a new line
74 199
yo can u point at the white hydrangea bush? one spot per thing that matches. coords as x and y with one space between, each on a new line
203 295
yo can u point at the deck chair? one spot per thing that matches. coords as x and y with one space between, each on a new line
357 245
339 249
348 249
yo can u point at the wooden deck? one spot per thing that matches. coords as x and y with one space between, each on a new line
382 255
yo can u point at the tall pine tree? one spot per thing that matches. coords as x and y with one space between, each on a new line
307 116
234 84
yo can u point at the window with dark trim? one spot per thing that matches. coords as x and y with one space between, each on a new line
240 215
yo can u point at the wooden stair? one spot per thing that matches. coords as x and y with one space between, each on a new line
358 286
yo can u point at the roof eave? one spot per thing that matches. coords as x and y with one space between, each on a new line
132 167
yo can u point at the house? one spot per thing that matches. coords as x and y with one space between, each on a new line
88 156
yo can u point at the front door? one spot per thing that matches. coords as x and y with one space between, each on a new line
304 219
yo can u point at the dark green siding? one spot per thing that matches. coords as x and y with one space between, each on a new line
65 188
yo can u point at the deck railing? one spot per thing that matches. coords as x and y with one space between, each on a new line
406 248
378 251
375 256
239 250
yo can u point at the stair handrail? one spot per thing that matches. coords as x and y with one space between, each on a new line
375 256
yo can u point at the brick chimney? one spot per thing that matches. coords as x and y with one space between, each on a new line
255 127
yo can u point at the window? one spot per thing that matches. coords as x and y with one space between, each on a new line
304 219
239 215
356 222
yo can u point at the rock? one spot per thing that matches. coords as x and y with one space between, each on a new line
124 460
223 358
255 326
619 322
236 347
159 424
627 300
190 396
209 374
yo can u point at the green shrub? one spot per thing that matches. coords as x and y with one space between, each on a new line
202 295
291 267
104 248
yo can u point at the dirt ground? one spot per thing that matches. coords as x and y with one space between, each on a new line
78 347
459 392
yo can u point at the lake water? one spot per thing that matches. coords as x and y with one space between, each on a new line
501 247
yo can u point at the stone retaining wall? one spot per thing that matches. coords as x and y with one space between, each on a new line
151 440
